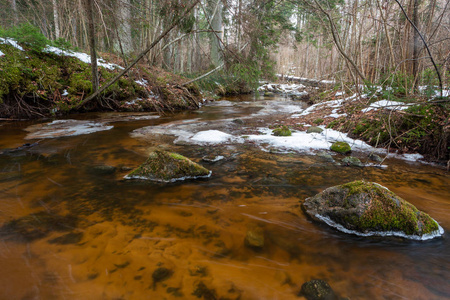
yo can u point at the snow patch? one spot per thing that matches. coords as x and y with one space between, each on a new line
11 42
212 137
387 104
2 54
302 141
142 82
81 56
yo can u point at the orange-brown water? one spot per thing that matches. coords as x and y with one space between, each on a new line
110 235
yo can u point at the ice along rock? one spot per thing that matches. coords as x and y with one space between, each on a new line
166 166
369 209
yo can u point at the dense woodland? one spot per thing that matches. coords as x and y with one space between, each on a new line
351 40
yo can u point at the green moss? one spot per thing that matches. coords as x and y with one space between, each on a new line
341 147
318 121
282 131
386 212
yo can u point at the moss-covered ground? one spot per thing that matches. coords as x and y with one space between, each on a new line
34 83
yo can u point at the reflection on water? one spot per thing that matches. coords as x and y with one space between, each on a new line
73 229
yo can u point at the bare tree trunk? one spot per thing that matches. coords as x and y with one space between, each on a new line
14 9
56 19
89 6
215 9
416 43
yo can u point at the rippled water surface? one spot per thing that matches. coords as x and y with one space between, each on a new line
73 229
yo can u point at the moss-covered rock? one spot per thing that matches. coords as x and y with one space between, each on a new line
341 147
282 131
367 208
314 129
166 166
352 161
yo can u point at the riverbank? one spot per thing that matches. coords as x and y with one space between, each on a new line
410 125
53 81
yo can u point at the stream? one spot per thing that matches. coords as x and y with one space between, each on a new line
72 228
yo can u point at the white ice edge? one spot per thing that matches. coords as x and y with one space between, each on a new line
11 42
67 128
341 228
167 181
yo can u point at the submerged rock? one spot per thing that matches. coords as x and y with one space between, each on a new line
325 156
317 289
314 129
375 157
255 238
282 131
352 161
102 170
166 166
368 209
160 274
35 226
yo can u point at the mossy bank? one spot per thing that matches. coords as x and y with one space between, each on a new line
37 83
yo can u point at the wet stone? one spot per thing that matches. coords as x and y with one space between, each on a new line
202 291
102 170
325 156
374 157
352 161
314 129
317 289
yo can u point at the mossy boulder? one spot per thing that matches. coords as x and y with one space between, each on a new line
369 209
314 129
282 131
341 147
166 166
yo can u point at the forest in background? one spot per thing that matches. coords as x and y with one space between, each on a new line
351 41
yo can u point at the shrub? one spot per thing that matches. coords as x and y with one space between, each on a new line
27 34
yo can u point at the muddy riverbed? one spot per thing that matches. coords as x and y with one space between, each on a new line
73 228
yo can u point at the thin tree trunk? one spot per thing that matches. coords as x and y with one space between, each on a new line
89 6
14 9
56 19
416 43
140 56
